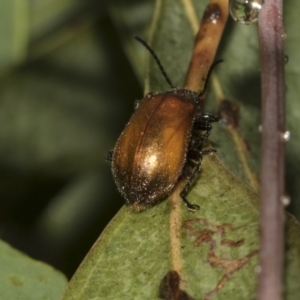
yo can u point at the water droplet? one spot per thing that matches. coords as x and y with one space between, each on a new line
229 113
283 35
257 269
245 11
286 200
286 59
285 136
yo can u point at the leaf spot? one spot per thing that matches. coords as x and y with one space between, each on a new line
170 288
208 235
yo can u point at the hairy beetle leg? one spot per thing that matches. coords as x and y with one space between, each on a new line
194 174
190 206
208 151
207 118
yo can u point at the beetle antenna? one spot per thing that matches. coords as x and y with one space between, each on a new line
157 60
208 76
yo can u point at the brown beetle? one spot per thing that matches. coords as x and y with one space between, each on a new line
160 144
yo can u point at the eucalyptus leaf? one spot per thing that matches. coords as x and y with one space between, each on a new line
214 250
216 245
24 278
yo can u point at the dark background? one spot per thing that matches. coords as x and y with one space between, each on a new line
69 77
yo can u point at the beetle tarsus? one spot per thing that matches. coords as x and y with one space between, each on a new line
190 206
208 151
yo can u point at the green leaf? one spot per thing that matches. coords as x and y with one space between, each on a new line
14 32
214 250
217 244
21 277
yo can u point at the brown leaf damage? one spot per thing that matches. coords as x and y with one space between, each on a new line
209 234
170 288
229 113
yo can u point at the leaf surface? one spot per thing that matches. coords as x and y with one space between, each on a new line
21 277
216 245
215 249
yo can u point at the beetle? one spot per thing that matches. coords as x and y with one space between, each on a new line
161 144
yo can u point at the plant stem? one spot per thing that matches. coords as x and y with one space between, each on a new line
206 44
271 255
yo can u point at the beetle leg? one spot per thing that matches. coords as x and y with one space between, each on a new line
194 155
109 155
202 122
186 189
197 138
194 159
207 118
208 151
207 133
190 206
201 126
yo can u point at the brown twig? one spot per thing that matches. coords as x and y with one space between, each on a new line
272 171
206 44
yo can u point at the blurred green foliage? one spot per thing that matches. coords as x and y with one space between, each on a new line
67 88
